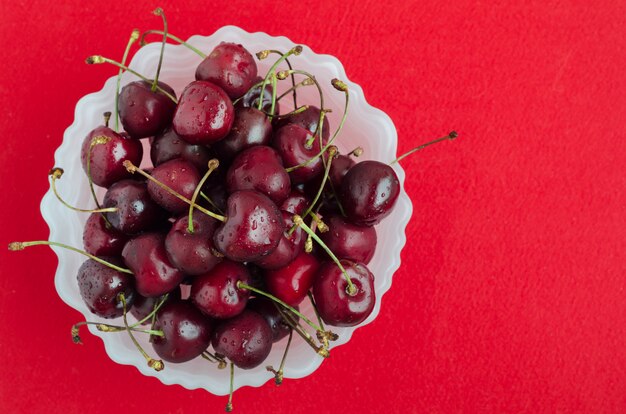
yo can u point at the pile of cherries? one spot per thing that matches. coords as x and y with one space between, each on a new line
244 214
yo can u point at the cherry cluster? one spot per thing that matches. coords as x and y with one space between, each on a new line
244 214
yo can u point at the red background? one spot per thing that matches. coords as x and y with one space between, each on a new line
512 295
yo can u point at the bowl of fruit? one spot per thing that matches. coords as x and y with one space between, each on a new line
239 203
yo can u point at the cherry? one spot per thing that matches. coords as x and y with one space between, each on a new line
307 119
144 110
292 282
146 257
259 168
136 211
291 143
193 253
216 293
186 332
272 315
296 202
168 145
100 239
229 66
180 176
251 98
246 339
349 241
289 246
99 286
107 156
339 169
251 127
253 229
144 306
204 114
368 192
330 290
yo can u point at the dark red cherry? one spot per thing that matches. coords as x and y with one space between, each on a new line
204 114
253 229
106 164
272 315
290 142
259 168
145 113
334 304
246 339
192 252
216 293
146 257
168 145
349 241
229 66
99 286
292 282
143 306
296 203
338 169
288 247
307 119
186 332
179 175
137 211
368 192
251 127
100 239
251 98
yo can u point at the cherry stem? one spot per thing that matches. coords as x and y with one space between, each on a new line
104 327
351 289
452 135
97 59
221 362
133 38
152 314
229 405
213 164
208 200
262 55
134 169
320 223
273 107
172 37
332 152
159 12
278 375
241 285
294 112
293 80
155 364
317 314
304 82
55 174
15 246
100 139
295 325
357 152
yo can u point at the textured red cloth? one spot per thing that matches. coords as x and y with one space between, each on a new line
512 293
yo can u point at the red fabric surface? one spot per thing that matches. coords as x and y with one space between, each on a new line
511 297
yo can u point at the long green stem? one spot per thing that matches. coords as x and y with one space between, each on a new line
213 164
229 405
159 12
263 54
155 364
98 140
155 309
278 375
332 151
174 38
293 80
452 135
295 325
105 327
56 174
133 38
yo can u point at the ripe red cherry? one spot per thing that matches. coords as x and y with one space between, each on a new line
368 192
253 229
251 127
100 240
246 339
145 113
290 142
99 286
229 66
146 257
349 241
168 145
338 169
292 282
296 203
204 114
216 293
251 98
136 212
179 175
288 247
308 119
105 165
334 304
259 168
186 332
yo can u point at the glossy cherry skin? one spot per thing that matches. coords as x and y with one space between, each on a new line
288 247
106 164
246 339
192 252
349 241
204 114
292 282
136 212
296 203
145 113
229 66
168 145
290 143
272 315
216 293
186 332
99 286
334 304
338 169
100 240
259 168
368 192
251 127
251 98
146 257
308 119
253 228
179 175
